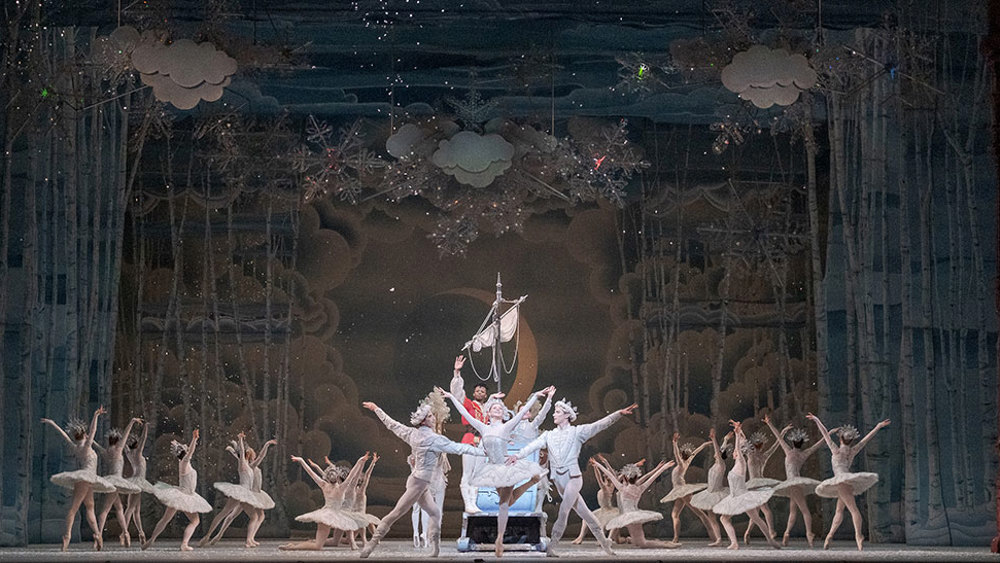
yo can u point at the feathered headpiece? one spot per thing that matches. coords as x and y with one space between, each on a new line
797 436
334 473
76 427
687 449
177 448
849 433
746 447
568 408
418 416
630 471
757 438
494 400
113 434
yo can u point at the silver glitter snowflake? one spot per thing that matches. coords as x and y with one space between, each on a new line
337 164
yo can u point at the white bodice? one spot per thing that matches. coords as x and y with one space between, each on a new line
245 473
795 458
258 480
842 459
114 463
737 482
717 477
677 475
187 480
137 461
495 447
86 458
629 497
333 495
756 460
604 498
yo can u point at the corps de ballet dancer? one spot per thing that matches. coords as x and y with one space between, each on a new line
845 485
182 497
241 497
350 505
564 443
474 405
757 458
682 491
137 465
114 465
360 505
335 482
717 487
527 430
83 481
795 486
606 509
631 484
741 499
510 480
426 447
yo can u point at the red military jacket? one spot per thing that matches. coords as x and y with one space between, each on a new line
475 408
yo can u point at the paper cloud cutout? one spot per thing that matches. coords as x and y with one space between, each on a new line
473 159
766 77
184 72
401 143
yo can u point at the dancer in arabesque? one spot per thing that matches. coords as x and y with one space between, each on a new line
181 497
717 487
114 465
682 491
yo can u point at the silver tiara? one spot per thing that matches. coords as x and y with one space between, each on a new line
849 433
176 448
113 433
758 437
567 407
76 426
334 473
419 415
746 447
687 448
494 400
797 435
630 471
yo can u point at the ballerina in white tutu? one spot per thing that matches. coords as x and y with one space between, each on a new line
137 466
605 500
845 485
241 497
530 428
267 503
631 484
795 486
83 481
335 481
351 498
360 505
682 491
426 447
757 458
114 464
495 472
716 490
182 497
741 499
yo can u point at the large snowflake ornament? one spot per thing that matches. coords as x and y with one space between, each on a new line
338 163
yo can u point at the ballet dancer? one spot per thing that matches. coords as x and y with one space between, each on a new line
473 405
795 486
606 509
741 499
419 518
137 465
334 481
495 472
631 484
241 497
717 489
360 505
757 458
682 491
427 447
527 430
114 464
564 443
845 485
83 481
182 497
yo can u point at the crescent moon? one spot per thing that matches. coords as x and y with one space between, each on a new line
527 362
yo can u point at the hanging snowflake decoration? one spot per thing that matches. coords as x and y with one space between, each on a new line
601 166
452 236
472 110
338 164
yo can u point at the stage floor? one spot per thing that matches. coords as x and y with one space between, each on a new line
397 550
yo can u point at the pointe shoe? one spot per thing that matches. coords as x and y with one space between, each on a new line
98 543
826 543
716 543
65 543
498 548
550 552
416 540
734 546
859 540
204 541
810 538
146 545
186 547
142 537
784 539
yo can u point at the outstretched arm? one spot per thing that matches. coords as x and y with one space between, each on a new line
823 431
93 425
263 452
400 430
355 473
316 478
142 439
232 451
510 424
193 444
457 386
588 431
647 479
778 441
315 466
241 445
128 430
371 466
544 411
819 444
59 430
871 434
699 448
538 443
473 421
778 435
610 476
677 449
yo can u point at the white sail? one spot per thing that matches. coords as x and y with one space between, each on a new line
486 338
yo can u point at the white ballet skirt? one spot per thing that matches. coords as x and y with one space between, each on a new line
114 476
87 461
364 519
630 511
258 480
607 510
682 491
807 484
182 498
760 482
706 500
496 473
242 494
859 482
331 516
741 499
141 482
138 477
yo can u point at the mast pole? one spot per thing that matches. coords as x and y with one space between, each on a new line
496 331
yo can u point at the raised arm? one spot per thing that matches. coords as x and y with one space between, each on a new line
263 452
371 466
194 443
457 386
823 431
400 430
128 430
316 478
510 424
610 476
315 466
473 421
241 445
871 434
647 479
699 449
544 411
588 431
778 441
142 439
59 430
778 436
355 473
231 448
93 425
677 449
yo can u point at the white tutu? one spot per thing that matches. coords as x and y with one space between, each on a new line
807 485
860 482
266 502
683 491
632 517
749 500
336 519
503 475
760 482
605 515
706 500
364 519
240 493
69 479
123 485
179 499
144 485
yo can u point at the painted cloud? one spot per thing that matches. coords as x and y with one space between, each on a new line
766 77
473 159
184 72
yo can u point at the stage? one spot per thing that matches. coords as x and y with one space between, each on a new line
399 550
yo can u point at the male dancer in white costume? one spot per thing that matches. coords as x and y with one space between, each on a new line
564 443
